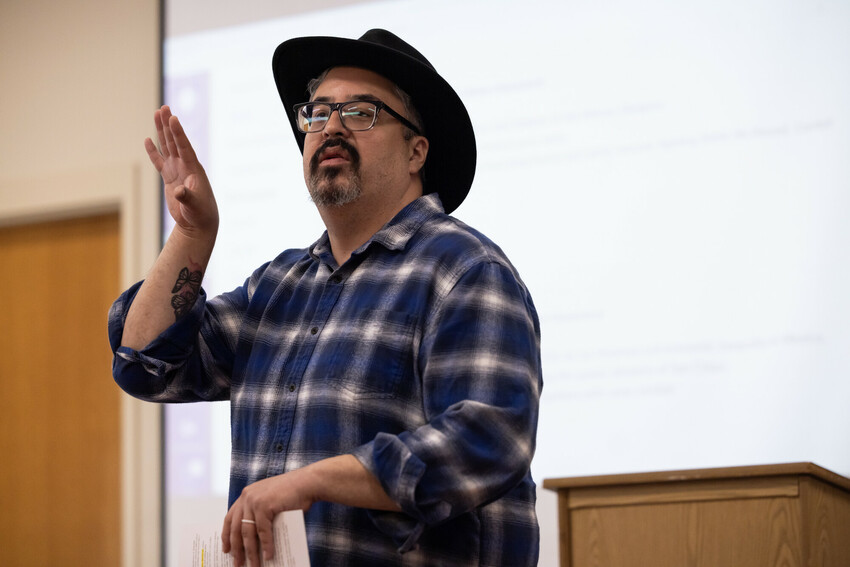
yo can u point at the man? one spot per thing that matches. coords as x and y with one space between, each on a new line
386 379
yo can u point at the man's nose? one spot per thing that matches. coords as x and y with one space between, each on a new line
334 126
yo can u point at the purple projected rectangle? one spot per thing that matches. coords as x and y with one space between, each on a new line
187 426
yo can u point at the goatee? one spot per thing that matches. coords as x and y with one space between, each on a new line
329 186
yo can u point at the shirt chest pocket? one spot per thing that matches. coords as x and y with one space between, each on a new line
374 359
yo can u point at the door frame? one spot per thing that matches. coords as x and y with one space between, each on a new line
132 191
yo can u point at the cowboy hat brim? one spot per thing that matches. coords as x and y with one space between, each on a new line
450 165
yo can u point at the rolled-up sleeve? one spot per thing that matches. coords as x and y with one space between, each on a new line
188 362
479 361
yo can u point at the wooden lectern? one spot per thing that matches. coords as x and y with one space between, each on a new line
790 515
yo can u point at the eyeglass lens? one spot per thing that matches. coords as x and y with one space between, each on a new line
355 116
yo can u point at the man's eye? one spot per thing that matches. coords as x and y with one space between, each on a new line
356 110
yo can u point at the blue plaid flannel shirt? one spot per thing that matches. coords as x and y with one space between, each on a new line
420 356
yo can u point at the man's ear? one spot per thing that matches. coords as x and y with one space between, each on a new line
418 152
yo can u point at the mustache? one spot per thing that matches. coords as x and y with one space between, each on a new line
332 143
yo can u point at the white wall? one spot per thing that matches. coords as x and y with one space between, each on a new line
80 80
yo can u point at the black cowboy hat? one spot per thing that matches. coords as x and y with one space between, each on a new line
450 165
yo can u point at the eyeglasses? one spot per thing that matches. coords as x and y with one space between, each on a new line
356 115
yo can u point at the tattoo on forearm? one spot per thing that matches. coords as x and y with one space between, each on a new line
185 291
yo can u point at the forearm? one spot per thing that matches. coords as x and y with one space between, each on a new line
173 284
343 480
170 289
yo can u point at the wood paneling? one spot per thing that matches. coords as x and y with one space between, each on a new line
828 530
763 532
61 429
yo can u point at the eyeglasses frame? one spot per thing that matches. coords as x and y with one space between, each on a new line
337 107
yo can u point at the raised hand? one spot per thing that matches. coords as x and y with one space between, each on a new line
188 193
173 283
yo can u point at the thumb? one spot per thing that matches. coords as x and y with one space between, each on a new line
196 205
186 194
182 194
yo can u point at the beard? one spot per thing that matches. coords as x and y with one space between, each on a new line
331 186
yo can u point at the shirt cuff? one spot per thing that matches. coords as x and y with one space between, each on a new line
399 471
144 373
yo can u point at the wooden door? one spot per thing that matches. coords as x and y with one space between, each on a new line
60 426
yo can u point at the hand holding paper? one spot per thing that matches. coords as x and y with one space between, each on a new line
290 549
248 533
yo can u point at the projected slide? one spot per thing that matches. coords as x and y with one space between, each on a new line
671 180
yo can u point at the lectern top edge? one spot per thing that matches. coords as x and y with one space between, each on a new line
699 474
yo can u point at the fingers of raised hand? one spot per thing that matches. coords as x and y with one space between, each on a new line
167 145
153 154
172 138
182 145
159 123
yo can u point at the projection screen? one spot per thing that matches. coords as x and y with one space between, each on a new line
670 178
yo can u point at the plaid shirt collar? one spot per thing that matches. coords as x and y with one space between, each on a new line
393 236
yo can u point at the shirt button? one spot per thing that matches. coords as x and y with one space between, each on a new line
279 447
314 330
336 279
292 387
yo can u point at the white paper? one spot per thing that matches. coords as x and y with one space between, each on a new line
202 546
